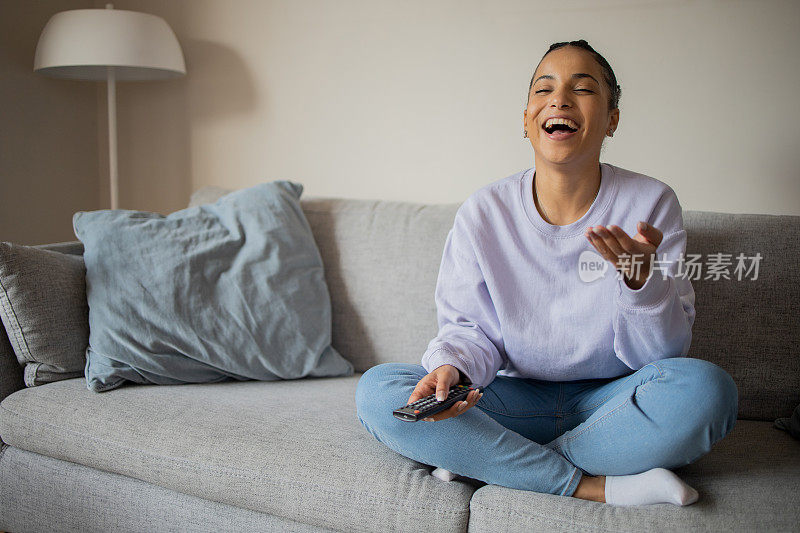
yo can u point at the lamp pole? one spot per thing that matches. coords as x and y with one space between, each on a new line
112 137
112 131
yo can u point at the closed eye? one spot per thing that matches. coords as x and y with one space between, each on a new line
545 90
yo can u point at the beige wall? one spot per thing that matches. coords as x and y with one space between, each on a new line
415 100
48 133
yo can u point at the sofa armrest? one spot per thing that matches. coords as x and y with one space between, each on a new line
11 378
11 372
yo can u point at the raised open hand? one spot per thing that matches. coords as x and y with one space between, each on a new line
632 257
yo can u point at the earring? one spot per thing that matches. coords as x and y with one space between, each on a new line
526 134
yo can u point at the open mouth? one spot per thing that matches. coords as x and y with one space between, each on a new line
559 127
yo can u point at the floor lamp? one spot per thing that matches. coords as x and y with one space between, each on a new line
111 45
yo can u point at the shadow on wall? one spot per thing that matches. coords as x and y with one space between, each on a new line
158 121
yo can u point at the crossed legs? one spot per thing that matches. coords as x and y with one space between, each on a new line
548 437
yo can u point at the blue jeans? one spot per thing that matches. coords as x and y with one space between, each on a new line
543 436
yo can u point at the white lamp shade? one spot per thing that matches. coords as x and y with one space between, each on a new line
82 43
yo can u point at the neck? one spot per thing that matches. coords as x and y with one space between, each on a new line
567 193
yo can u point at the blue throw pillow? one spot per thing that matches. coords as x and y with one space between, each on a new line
233 290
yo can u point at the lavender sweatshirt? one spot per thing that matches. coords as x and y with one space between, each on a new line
517 296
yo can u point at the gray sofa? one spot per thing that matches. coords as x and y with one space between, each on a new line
292 455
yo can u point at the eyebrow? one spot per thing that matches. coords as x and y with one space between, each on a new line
577 75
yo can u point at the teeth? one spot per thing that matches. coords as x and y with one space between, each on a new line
566 121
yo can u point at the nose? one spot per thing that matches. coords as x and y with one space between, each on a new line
560 98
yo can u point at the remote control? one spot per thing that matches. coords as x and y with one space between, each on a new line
428 406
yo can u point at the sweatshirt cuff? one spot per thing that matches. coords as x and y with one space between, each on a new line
443 356
653 292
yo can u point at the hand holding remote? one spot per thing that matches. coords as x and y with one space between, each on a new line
439 381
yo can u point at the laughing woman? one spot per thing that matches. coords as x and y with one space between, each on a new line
559 298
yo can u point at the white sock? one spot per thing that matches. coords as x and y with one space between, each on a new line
657 485
444 475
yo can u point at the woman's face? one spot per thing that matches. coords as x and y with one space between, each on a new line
584 99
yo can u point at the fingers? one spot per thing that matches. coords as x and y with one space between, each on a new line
458 408
646 241
442 390
612 243
423 389
437 382
600 245
632 246
612 236
651 233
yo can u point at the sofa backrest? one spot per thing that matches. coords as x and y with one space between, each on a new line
382 260
749 327
381 264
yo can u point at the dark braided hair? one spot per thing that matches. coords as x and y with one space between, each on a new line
608 73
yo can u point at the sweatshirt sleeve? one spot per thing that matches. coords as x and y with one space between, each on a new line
655 321
469 332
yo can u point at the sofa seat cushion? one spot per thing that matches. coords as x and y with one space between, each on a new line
748 482
294 449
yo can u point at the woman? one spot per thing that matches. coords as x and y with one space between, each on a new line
582 384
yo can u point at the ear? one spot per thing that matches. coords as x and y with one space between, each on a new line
614 119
